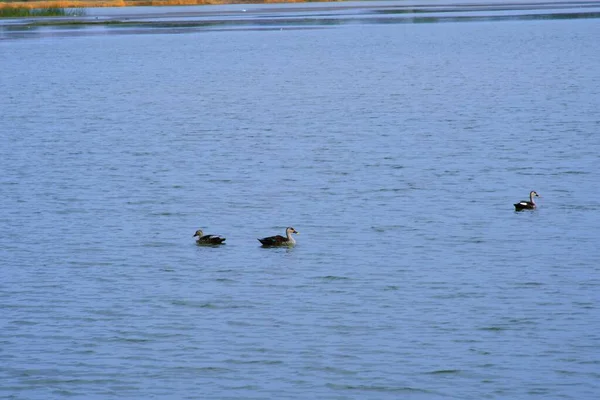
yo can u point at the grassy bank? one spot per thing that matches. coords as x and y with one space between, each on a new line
8 12
62 4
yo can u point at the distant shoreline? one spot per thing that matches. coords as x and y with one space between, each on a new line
134 3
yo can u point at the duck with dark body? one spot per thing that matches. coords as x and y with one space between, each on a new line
208 239
279 240
527 205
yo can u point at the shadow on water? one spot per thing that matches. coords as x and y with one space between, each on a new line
145 20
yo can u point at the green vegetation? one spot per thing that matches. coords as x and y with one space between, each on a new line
19 12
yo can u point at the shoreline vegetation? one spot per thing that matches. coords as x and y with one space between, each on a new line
79 4
75 8
16 12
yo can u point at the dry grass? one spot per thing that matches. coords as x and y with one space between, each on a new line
125 3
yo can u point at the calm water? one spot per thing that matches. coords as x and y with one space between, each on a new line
396 149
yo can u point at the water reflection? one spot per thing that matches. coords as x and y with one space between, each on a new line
139 20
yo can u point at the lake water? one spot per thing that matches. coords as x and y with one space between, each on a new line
394 141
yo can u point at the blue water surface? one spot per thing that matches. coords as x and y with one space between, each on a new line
396 148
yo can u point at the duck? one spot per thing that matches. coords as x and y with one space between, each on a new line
208 239
527 205
279 240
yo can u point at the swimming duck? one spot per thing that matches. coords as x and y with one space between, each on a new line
208 239
527 205
279 240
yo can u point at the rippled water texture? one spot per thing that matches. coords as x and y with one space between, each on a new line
395 148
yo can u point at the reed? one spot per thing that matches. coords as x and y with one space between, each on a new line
64 4
16 12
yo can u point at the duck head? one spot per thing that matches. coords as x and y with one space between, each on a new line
199 233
